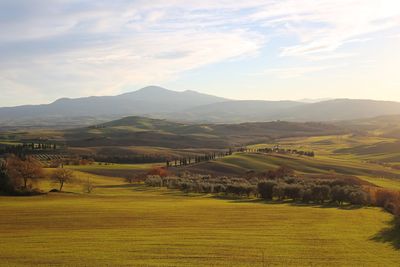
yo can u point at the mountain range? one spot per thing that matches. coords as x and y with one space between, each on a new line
189 106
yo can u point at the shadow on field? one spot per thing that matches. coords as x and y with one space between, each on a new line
119 186
389 235
289 202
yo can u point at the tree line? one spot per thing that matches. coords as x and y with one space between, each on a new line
279 150
282 185
184 161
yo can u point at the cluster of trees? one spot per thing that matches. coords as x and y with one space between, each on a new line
199 183
18 176
316 191
276 186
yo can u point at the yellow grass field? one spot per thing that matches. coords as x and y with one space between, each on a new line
133 225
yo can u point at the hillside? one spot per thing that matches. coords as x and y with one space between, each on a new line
140 131
385 126
189 107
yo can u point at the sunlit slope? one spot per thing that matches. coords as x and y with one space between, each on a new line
324 165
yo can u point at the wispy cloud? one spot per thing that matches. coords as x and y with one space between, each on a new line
96 47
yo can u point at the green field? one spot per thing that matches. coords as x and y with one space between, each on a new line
133 225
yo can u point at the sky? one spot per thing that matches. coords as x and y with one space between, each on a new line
253 49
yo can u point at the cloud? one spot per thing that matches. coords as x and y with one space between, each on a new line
79 47
324 26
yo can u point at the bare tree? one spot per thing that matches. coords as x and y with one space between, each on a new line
28 169
88 186
63 176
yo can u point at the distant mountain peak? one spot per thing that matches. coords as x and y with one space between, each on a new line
315 100
60 100
152 89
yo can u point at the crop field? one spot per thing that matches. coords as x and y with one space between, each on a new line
132 225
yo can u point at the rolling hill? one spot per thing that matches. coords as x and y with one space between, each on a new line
141 131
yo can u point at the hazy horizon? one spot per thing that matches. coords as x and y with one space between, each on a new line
304 100
263 50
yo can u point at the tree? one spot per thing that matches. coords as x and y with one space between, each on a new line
88 186
339 194
25 170
320 193
266 189
279 191
160 171
293 191
283 172
6 185
62 176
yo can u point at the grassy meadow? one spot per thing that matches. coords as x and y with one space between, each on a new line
121 224
132 225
